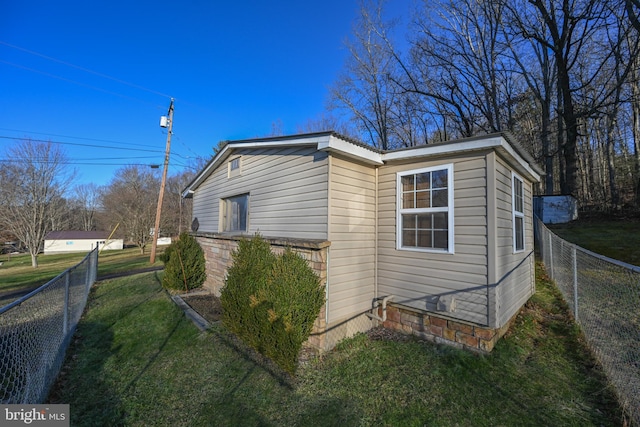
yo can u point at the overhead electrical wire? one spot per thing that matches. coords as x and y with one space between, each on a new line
105 76
78 137
79 83
95 146
86 70
85 145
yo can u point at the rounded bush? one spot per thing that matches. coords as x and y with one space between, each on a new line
184 265
271 302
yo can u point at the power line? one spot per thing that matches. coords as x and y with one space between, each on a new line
76 159
84 145
94 145
78 83
73 163
77 137
86 70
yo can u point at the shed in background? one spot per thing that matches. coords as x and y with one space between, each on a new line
555 209
79 241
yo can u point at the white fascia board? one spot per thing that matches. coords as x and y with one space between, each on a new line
338 145
494 143
443 149
316 140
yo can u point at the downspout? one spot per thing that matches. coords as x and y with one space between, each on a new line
329 236
375 236
376 300
326 289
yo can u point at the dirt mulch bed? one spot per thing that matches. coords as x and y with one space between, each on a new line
206 305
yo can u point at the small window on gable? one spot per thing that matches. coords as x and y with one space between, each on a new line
234 167
517 190
425 209
235 213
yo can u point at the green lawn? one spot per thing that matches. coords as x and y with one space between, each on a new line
17 273
617 239
136 360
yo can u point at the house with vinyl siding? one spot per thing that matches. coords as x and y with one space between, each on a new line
435 240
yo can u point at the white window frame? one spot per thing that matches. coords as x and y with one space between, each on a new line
517 214
234 167
225 221
449 209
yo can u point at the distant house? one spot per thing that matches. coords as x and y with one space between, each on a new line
434 240
79 241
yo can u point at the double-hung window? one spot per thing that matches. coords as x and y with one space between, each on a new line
425 209
517 194
235 213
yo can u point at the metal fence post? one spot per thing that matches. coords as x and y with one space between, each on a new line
551 256
574 258
87 275
65 319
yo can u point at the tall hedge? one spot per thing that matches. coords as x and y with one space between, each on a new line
271 302
184 264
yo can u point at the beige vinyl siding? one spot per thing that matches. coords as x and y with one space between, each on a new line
514 270
288 190
416 279
352 235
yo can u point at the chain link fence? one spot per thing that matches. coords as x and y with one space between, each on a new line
604 296
35 332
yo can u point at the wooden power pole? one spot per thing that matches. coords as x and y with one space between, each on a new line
156 229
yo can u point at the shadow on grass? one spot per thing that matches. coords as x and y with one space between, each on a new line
232 407
86 357
155 355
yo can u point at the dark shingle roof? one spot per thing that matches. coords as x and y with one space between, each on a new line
77 235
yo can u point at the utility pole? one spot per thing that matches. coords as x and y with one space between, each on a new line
156 230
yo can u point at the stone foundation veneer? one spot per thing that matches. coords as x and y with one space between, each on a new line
442 330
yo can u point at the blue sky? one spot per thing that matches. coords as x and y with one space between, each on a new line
102 73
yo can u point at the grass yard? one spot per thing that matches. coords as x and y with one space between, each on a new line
137 360
17 273
617 239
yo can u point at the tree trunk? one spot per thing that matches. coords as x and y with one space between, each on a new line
546 152
34 260
635 90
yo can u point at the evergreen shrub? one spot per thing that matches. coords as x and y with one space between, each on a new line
184 265
271 302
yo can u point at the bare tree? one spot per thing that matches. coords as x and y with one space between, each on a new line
579 35
32 185
86 203
325 122
364 90
537 68
130 199
176 210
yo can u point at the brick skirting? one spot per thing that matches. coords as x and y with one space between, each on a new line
442 330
